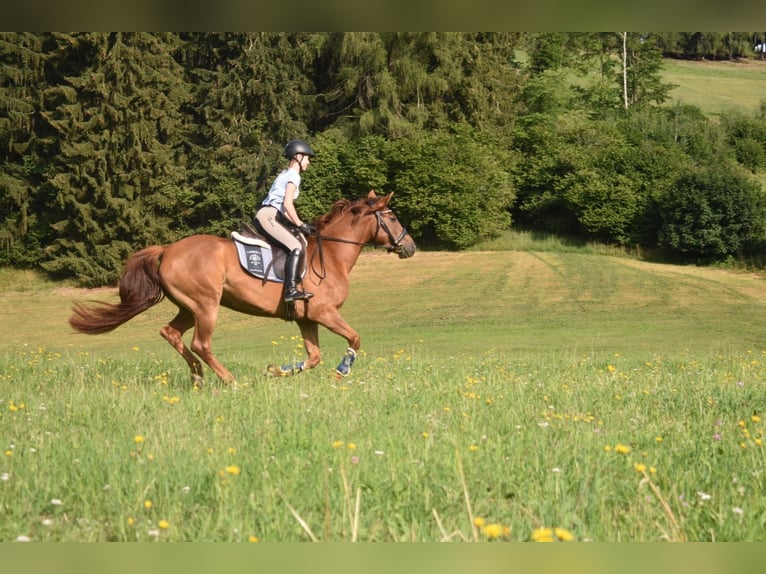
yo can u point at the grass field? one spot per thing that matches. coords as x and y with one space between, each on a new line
717 86
509 395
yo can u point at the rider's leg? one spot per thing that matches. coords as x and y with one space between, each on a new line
268 219
291 277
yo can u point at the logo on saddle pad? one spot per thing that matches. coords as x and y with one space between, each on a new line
259 259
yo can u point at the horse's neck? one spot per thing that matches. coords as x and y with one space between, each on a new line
345 254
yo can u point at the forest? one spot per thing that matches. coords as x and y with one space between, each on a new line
110 142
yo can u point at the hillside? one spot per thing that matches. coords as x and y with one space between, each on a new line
716 86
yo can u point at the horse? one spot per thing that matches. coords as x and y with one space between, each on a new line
200 273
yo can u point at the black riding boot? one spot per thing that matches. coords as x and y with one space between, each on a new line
291 277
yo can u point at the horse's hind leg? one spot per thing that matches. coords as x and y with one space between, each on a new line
204 326
173 332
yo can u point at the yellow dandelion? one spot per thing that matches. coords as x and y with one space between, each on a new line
164 524
493 530
640 467
542 535
8 453
658 439
473 448
479 521
138 439
136 349
758 441
231 450
351 446
622 448
652 470
131 521
252 538
338 444
233 469
148 504
611 368
755 418
424 435
607 448
564 535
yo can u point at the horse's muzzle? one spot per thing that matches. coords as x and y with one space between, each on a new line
405 249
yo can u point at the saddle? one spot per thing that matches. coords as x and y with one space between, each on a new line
261 257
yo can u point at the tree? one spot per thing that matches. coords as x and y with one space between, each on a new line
713 212
22 148
252 93
643 61
454 188
746 133
119 174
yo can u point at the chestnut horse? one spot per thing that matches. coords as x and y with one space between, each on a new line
202 272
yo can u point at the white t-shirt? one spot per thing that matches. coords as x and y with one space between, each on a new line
276 195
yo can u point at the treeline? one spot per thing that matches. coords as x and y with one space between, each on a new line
113 141
712 45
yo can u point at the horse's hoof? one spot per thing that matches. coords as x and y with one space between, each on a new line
197 381
275 371
285 370
344 369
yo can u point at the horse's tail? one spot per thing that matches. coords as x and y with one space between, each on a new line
140 289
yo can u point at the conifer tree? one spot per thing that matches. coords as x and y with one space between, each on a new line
119 173
253 93
22 147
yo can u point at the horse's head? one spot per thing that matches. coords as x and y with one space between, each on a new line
389 231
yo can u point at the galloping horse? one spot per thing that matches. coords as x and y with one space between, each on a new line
202 272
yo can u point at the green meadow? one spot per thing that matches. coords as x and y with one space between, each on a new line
528 391
715 87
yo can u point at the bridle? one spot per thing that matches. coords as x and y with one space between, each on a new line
395 243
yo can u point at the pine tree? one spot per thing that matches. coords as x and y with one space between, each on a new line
119 176
22 147
253 93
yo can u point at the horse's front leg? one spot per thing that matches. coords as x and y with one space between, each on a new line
310 334
338 325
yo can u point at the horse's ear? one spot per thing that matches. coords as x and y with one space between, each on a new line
381 201
372 194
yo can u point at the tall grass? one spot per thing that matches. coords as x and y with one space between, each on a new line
414 447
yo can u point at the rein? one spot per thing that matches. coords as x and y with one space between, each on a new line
394 246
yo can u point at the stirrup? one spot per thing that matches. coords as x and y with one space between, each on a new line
296 295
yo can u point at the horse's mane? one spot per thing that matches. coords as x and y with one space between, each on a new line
341 208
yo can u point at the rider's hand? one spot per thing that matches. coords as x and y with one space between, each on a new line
307 229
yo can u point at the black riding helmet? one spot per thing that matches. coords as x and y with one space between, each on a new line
296 147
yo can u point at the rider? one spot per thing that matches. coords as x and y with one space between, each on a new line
277 214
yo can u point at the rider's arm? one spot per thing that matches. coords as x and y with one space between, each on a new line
289 205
